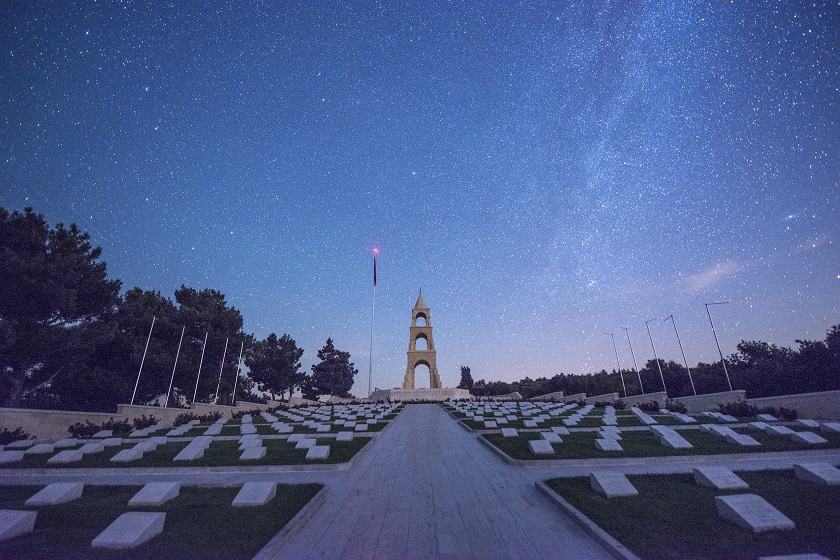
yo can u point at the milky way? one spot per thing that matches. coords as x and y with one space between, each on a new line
546 172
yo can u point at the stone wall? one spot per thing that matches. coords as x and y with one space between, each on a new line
46 424
636 400
710 401
817 406
556 396
606 397
165 416
419 394
574 398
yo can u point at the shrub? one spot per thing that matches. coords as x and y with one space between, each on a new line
675 406
8 436
88 429
651 406
782 413
242 413
740 409
186 417
144 422
619 405
787 414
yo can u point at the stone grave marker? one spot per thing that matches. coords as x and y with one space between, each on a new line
10 457
155 494
66 456
318 452
766 417
807 437
255 494
821 473
130 530
719 478
540 447
608 445
612 484
509 432
551 437
15 522
305 443
253 453
344 436
40 449
752 512
56 493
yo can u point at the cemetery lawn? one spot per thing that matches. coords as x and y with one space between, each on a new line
219 454
581 445
200 523
674 518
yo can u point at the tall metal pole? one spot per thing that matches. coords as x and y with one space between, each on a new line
171 379
372 319
618 365
238 368
219 384
635 365
143 360
671 316
722 361
662 377
200 363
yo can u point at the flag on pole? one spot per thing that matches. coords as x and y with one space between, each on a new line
375 252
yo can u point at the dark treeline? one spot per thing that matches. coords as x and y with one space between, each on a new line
762 369
70 340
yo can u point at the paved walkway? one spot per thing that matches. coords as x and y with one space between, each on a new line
428 489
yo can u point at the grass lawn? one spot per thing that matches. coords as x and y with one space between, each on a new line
200 523
581 445
219 454
674 518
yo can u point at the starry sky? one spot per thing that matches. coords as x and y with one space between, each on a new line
546 171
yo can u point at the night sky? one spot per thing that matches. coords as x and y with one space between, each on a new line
546 171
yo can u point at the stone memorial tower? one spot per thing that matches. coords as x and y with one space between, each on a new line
423 331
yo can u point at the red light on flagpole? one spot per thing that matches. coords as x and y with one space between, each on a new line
375 250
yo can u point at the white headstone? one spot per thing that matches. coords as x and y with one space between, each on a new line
40 449
540 447
608 445
305 444
551 437
807 437
318 452
752 512
130 530
124 455
509 432
720 478
10 457
255 494
57 493
155 494
612 484
560 430
66 456
821 473
344 436
16 522
253 453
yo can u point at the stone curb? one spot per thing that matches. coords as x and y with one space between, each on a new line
615 548
293 527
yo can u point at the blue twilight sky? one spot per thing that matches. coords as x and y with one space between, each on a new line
547 171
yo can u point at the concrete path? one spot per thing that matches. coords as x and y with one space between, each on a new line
429 489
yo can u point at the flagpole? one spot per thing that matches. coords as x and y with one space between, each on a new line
171 379
238 367
219 384
203 348
372 319
143 360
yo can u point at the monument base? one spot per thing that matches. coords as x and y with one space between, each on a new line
420 394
